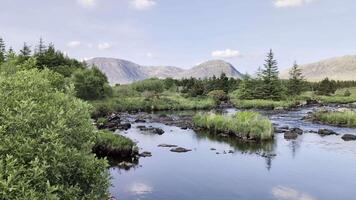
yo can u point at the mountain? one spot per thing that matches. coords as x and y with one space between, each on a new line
211 68
124 72
339 68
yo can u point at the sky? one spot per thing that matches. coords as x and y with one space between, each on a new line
184 33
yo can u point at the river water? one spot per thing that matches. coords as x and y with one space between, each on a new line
308 168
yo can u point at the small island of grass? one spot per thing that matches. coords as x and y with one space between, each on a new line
249 125
336 118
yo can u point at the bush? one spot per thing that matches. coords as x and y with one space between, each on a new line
91 84
46 136
152 84
243 124
264 104
347 93
218 95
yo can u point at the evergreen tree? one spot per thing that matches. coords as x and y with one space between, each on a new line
326 87
25 52
296 82
40 48
2 51
271 84
246 88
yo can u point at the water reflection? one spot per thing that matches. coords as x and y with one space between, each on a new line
288 193
140 188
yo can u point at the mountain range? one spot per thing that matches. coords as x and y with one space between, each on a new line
338 68
121 71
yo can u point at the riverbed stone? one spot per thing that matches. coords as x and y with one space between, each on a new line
290 135
167 145
325 132
348 137
297 131
180 150
153 130
145 154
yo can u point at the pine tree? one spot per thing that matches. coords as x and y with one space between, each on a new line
2 51
41 47
271 84
10 54
296 82
25 52
246 88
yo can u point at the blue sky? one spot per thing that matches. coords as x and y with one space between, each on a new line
186 32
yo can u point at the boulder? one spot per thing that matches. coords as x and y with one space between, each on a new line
145 154
212 149
324 132
153 130
348 137
290 135
124 126
297 131
180 150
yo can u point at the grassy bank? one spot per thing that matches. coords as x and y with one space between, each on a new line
243 124
114 146
165 101
339 97
264 104
344 119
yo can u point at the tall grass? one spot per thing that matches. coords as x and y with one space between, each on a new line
243 124
166 101
264 104
344 118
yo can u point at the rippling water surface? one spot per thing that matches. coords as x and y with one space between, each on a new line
309 168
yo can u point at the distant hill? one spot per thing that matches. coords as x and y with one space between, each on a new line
124 72
339 68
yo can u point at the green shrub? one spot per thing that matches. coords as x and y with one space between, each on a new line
347 93
218 95
264 104
46 136
243 124
152 84
91 84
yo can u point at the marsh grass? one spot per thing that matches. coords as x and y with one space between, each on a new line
337 118
242 124
264 104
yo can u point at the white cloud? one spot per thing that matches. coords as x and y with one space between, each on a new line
140 188
104 46
74 44
287 193
142 4
87 3
228 53
291 3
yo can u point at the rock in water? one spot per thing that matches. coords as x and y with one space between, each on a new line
290 135
180 150
167 145
348 137
324 132
145 154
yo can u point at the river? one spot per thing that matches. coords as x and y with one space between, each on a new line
311 167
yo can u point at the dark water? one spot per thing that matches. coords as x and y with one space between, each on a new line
309 168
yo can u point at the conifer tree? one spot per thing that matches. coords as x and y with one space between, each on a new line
296 82
246 88
271 87
25 52
41 47
2 51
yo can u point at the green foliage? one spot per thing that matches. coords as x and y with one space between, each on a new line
246 89
91 84
2 51
153 84
218 95
326 87
347 93
345 118
243 124
46 136
113 141
296 82
264 104
271 87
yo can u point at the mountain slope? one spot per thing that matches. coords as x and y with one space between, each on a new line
119 71
124 72
211 68
339 68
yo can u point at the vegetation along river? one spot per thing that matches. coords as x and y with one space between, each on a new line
311 167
